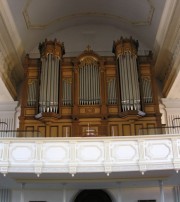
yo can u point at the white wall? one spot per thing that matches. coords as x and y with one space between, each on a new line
9 112
133 195
128 195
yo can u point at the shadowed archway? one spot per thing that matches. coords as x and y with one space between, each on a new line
93 195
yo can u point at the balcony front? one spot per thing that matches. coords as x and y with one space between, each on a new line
78 160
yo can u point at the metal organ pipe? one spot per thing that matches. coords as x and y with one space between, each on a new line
44 84
123 83
83 85
67 97
137 90
98 86
32 93
48 83
126 53
89 83
130 75
147 90
51 86
112 91
51 53
69 90
88 79
134 81
81 81
95 86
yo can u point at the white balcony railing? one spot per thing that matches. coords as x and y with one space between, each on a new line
93 154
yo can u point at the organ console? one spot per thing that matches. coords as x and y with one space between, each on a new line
115 94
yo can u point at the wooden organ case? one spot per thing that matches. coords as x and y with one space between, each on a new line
89 95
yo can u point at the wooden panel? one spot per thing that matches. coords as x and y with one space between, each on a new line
145 69
42 130
29 131
149 108
29 111
152 129
151 125
126 129
114 130
29 128
89 130
67 73
89 110
103 129
66 111
113 110
111 71
33 73
54 131
137 127
66 131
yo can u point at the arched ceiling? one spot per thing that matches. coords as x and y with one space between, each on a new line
80 23
26 23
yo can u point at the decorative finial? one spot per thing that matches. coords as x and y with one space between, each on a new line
88 48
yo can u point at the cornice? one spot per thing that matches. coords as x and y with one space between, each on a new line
10 27
8 106
164 24
171 103
166 51
172 77
162 41
11 70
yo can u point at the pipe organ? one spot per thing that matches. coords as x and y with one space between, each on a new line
89 95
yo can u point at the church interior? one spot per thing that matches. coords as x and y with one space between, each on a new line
89 101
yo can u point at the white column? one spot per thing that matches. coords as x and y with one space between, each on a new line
64 193
119 196
177 193
22 192
161 191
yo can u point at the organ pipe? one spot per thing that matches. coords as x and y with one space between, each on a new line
89 83
67 93
32 93
111 87
51 53
126 54
147 90
5 195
